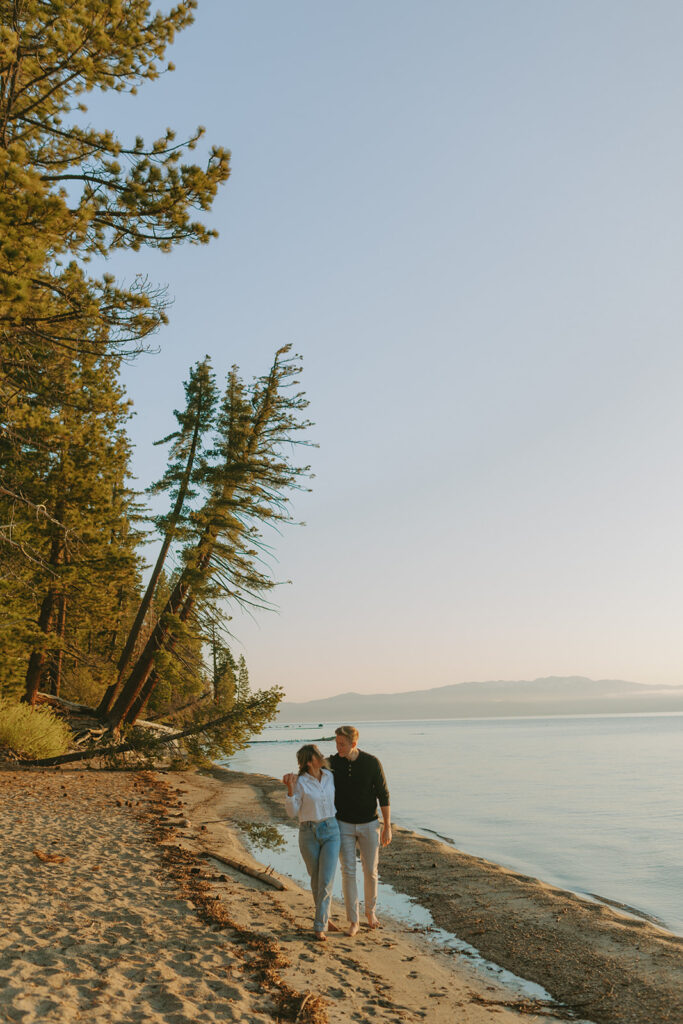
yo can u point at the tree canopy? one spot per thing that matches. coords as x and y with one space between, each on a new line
72 191
72 194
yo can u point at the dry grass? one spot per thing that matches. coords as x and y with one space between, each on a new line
28 732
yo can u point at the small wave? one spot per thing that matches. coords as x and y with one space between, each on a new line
626 909
316 739
444 839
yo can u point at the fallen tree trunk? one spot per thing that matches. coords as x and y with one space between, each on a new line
246 869
255 704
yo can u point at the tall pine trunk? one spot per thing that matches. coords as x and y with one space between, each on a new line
141 701
145 663
113 691
41 658
57 663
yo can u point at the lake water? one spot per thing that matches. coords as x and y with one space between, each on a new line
589 803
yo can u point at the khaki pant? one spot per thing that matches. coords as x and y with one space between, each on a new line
367 838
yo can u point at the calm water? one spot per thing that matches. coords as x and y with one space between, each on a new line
593 803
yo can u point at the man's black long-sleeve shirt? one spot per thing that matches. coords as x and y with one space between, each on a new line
358 787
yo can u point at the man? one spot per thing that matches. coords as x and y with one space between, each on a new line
359 785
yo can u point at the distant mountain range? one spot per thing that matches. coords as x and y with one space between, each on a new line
569 695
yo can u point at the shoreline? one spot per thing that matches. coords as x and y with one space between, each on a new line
605 964
590 897
149 906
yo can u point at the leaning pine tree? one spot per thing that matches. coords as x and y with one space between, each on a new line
184 474
248 480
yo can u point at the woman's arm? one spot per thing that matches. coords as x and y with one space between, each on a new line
294 794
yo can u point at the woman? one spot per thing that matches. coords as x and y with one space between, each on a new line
310 795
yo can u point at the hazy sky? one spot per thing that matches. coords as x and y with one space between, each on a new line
467 218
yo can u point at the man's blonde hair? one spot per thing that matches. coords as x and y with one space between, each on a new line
349 731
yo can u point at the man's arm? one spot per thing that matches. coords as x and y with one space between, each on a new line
382 791
385 837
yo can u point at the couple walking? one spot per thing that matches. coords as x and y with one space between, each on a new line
336 804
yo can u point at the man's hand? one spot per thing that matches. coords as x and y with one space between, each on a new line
385 837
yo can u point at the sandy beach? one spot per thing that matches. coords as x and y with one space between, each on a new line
129 897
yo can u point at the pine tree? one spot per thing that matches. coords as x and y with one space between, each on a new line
221 659
71 193
224 677
248 481
243 691
89 547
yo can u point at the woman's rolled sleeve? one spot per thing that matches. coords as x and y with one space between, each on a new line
293 803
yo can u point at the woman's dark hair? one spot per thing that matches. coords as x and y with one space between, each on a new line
304 755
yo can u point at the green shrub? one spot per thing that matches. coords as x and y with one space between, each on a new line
32 732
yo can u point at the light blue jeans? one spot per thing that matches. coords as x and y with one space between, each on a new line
319 845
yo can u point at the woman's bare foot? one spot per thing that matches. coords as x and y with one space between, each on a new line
373 921
353 929
321 937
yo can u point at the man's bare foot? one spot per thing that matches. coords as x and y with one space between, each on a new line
321 937
373 921
353 929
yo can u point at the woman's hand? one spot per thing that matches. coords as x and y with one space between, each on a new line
289 781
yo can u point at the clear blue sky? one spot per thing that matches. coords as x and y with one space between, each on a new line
467 218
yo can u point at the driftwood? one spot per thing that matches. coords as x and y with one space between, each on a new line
246 869
301 1008
84 711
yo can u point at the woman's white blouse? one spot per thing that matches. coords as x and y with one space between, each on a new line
312 800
